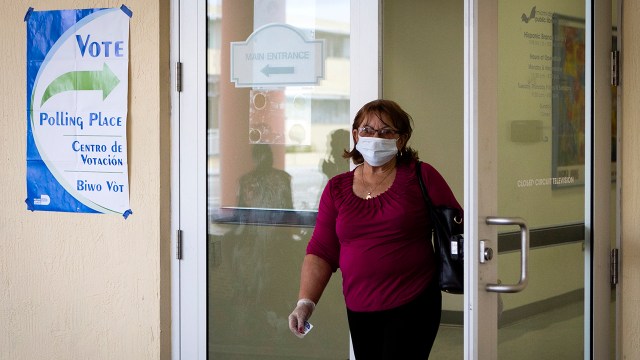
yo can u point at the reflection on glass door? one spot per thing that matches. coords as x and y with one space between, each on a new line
541 144
277 124
423 71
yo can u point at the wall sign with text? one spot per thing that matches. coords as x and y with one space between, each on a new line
77 88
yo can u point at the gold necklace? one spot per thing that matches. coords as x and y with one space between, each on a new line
368 197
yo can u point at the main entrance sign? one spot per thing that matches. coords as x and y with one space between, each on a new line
277 55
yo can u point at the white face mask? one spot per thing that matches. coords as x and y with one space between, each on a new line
377 151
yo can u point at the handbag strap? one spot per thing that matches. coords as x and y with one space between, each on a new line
425 195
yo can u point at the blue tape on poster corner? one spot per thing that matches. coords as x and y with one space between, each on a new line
26 16
29 204
126 10
127 213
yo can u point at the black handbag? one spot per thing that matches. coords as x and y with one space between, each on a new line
448 241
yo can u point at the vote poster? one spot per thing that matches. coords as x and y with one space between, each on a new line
77 89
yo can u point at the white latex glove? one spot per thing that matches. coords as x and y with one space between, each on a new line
302 313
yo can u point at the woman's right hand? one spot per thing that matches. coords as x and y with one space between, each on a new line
300 315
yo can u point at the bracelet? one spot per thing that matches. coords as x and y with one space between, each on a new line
307 302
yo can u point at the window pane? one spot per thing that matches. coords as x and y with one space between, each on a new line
278 123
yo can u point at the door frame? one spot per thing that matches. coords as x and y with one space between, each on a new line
480 52
366 75
599 16
188 163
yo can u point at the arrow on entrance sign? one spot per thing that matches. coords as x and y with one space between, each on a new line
104 80
271 70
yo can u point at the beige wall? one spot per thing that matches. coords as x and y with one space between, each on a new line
630 156
80 286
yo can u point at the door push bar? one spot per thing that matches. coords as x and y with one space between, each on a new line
524 254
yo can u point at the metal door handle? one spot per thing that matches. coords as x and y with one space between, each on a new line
524 254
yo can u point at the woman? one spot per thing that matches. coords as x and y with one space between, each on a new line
373 224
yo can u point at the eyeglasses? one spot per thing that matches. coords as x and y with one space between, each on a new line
368 131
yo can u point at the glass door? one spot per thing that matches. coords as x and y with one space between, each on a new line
278 120
533 180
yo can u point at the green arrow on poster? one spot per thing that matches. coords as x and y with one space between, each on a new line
104 80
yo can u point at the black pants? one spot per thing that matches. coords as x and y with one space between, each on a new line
406 332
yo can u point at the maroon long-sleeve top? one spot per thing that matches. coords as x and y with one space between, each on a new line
382 245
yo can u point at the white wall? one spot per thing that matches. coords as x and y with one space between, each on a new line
80 286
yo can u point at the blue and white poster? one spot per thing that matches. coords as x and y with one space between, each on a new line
77 88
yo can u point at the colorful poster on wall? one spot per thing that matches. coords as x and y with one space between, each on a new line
568 99
77 89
